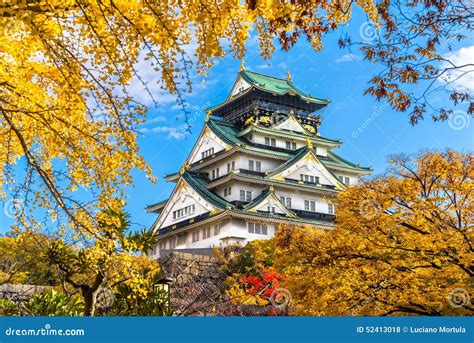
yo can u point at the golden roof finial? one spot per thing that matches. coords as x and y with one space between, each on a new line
288 76
184 167
272 189
242 65
309 144
208 115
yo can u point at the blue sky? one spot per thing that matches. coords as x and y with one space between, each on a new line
369 130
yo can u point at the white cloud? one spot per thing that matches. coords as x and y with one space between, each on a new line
158 119
348 58
282 65
171 132
461 78
264 66
152 79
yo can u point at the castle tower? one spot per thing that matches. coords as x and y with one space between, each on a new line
259 162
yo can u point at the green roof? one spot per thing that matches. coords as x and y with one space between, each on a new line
338 160
227 132
198 182
277 85
154 207
259 198
286 133
299 154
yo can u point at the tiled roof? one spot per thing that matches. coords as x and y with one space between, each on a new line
229 134
277 85
198 182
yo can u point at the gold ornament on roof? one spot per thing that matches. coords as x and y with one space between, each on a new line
242 65
184 168
208 115
288 76
309 143
272 189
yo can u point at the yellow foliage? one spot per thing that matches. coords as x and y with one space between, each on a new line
402 245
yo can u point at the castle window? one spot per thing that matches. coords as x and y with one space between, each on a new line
207 153
270 141
217 229
196 236
286 201
215 173
248 196
230 166
271 209
227 191
182 212
290 145
309 178
344 179
330 208
257 228
310 205
206 233
245 195
255 165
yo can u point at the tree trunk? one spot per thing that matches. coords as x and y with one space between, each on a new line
89 301
89 293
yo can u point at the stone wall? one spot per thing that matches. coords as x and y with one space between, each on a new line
198 288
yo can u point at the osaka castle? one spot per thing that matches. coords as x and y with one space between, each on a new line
259 162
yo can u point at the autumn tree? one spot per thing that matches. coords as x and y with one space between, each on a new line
106 264
403 244
23 260
414 43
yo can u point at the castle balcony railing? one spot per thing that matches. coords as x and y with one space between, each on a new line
314 215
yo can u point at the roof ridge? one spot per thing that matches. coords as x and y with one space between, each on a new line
271 76
214 197
354 165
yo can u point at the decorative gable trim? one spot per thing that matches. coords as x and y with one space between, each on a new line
207 137
268 197
239 87
180 191
291 124
308 158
